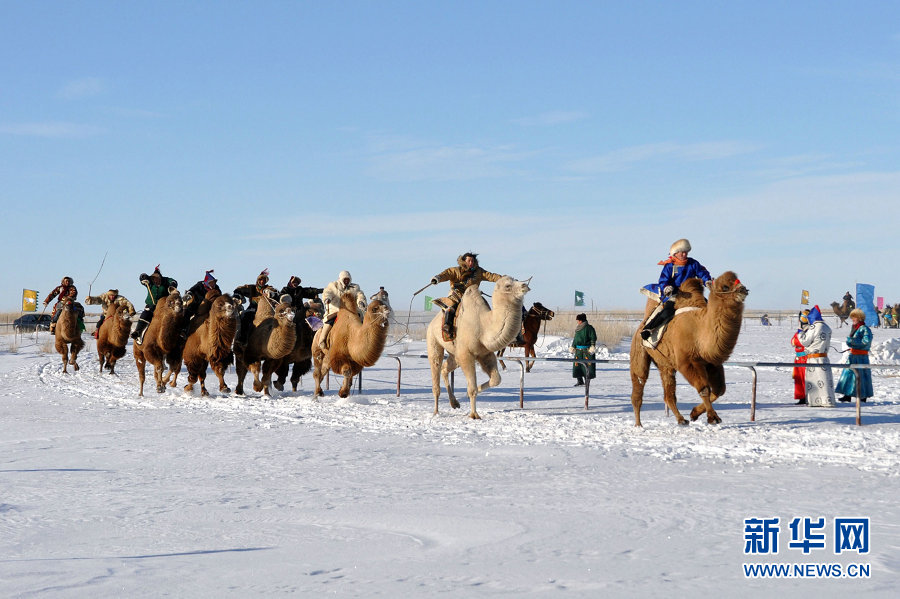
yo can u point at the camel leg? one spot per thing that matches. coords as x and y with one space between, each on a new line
640 370
347 373
295 377
711 416
172 374
111 365
257 382
101 362
241 368
63 349
468 368
281 374
141 364
192 378
202 380
268 366
73 356
449 366
219 369
320 367
668 383
500 355
489 365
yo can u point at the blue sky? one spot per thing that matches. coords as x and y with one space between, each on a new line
572 141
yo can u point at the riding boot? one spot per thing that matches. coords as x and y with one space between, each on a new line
447 327
138 333
323 340
661 318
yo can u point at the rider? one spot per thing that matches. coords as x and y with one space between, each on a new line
254 293
332 297
109 300
298 293
677 268
196 294
65 290
466 274
158 287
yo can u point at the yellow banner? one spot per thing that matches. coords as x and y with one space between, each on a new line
29 300
804 297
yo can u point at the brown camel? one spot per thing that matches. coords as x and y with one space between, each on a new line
696 343
480 333
353 344
68 335
842 311
300 358
531 327
272 337
113 336
162 345
210 335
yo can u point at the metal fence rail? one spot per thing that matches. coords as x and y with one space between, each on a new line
752 366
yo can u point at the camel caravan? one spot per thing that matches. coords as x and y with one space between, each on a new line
336 329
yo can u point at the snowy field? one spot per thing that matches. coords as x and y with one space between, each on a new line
105 494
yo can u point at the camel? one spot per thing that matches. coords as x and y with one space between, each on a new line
161 345
113 336
531 326
68 335
480 333
300 357
842 311
696 344
353 344
271 338
210 335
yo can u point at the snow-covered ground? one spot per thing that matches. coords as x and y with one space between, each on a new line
103 493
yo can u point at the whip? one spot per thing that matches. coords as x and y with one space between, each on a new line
98 272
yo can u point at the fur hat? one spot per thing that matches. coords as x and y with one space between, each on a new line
344 274
858 314
263 277
69 279
682 245
114 291
582 317
294 281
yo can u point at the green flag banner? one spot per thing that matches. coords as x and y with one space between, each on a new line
428 301
579 298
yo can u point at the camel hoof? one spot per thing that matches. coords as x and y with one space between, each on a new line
161 389
713 418
189 388
343 394
257 386
225 389
695 413
474 416
684 422
454 404
204 393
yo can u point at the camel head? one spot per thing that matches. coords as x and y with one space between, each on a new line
224 306
284 312
378 312
123 313
508 289
173 301
728 283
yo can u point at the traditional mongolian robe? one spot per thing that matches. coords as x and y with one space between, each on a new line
585 340
819 382
799 374
859 342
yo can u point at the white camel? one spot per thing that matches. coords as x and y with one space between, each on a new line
480 332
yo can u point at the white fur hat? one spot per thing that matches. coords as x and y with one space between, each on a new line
682 245
344 275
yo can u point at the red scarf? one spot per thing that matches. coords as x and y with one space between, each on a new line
673 260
